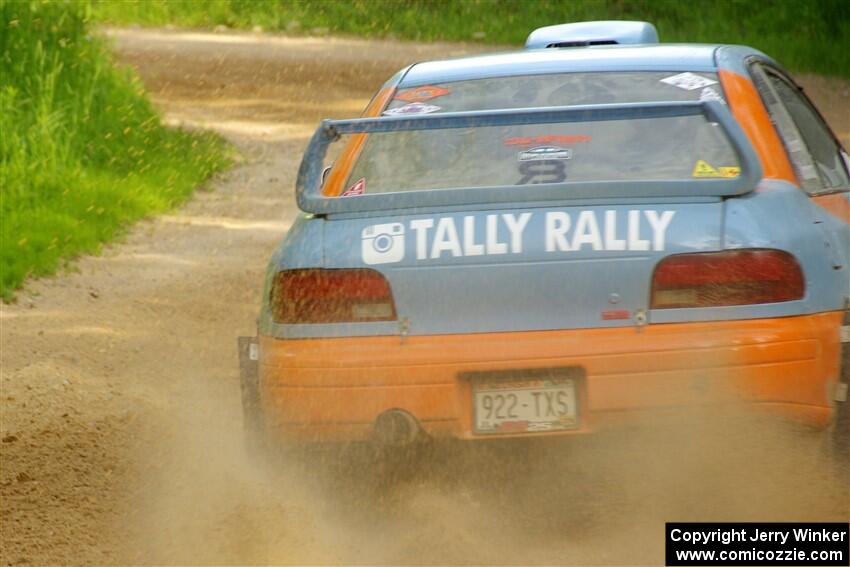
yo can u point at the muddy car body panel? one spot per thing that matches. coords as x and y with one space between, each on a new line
676 250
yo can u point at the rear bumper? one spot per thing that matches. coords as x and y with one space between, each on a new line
333 389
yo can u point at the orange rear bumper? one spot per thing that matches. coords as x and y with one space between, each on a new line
333 389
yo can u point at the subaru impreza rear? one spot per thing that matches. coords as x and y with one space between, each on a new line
550 242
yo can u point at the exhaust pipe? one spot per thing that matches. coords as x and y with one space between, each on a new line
396 428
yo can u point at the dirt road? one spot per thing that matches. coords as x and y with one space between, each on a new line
121 424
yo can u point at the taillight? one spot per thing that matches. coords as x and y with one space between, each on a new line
331 296
735 277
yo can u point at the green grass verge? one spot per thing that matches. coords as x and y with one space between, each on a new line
82 152
803 35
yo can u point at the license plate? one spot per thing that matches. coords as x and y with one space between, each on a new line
525 405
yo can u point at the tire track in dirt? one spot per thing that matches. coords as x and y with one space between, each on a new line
121 422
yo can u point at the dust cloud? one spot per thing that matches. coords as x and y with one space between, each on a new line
595 500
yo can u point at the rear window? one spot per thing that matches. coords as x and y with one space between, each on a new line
642 149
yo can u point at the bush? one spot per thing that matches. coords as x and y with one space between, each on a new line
82 151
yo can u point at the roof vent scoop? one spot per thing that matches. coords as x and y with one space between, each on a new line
583 34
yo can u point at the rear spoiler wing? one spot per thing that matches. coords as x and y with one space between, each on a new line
308 184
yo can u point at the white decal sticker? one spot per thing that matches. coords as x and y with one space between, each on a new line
635 241
516 226
557 225
445 239
493 244
383 243
688 81
611 240
496 234
587 231
545 152
420 227
412 108
710 93
470 247
659 225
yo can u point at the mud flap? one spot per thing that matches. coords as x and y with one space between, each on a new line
249 378
841 430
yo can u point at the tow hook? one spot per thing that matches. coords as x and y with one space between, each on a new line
403 328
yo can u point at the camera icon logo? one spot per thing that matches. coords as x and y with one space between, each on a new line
383 243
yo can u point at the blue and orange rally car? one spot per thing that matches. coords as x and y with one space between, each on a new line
531 243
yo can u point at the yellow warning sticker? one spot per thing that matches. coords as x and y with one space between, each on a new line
703 169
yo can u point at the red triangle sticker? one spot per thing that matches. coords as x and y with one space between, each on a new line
357 189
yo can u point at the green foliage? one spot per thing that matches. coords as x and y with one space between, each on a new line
810 35
82 152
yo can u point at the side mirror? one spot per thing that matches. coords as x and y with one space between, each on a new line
325 173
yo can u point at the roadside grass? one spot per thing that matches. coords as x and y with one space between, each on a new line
82 152
803 36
